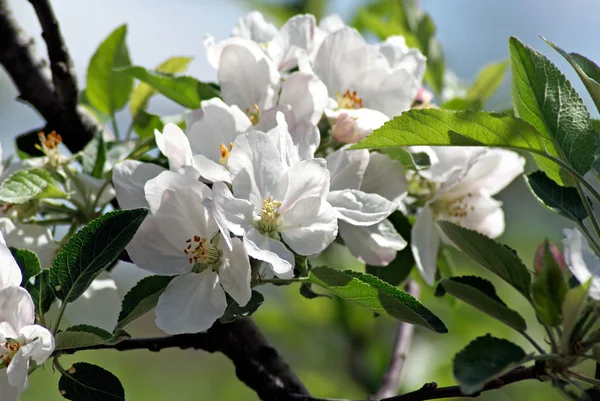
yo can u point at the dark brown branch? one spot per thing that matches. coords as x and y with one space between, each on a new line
257 363
392 377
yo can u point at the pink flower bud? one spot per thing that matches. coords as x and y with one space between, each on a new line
538 259
423 99
346 130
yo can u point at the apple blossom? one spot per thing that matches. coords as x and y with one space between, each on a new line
582 261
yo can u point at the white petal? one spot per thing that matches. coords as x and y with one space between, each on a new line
40 343
360 208
262 247
151 251
247 76
425 242
7 392
175 146
17 371
191 303
306 94
294 38
310 226
385 177
446 160
211 171
281 138
347 168
84 310
308 178
399 56
374 245
235 273
367 119
477 212
170 181
231 214
10 273
214 124
16 309
582 261
254 27
332 23
129 178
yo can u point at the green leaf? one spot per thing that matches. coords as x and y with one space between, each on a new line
142 298
562 200
587 70
548 290
91 250
183 90
372 293
34 183
487 81
481 294
28 262
461 104
483 360
543 97
84 102
436 127
41 293
144 124
108 89
399 269
492 255
87 382
93 157
573 306
410 161
25 145
235 311
86 336
143 92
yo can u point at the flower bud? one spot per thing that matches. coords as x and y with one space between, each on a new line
346 130
538 259
423 99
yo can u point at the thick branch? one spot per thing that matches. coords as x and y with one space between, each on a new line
257 363
404 333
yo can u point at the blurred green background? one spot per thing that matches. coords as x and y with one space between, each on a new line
338 350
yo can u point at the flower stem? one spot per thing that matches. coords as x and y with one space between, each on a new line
59 316
583 378
281 280
533 342
590 213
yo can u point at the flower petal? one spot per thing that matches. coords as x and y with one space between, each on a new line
477 212
425 242
360 208
170 181
40 343
306 94
254 27
231 214
367 120
308 178
173 143
10 272
310 226
374 245
582 261
385 177
17 371
294 39
211 171
347 168
191 303
9 392
262 247
16 309
129 178
235 273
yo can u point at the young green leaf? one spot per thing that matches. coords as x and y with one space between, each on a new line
86 336
93 157
108 89
492 255
487 81
587 70
573 306
548 290
481 294
91 250
28 262
87 382
380 297
183 90
562 200
143 297
543 97
34 183
483 360
235 311
143 92
410 161
144 124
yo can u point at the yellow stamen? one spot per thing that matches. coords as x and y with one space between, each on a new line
349 100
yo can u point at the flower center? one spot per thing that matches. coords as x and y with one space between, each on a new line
253 114
201 253
50 147
225 153
349 100
8 351
456 209
269 215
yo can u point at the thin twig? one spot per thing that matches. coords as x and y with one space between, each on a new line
404 334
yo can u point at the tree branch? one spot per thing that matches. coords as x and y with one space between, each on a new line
404 333
257 363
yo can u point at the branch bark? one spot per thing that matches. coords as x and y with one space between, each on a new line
404 334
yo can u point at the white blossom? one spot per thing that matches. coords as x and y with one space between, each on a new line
582 261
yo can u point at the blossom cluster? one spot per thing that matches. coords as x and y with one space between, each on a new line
264 175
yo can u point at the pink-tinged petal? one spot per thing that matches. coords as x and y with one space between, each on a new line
306 94
262 247
347 168
191 303
173 143
385 177
425 243
170 181
310 226
16 309
308 178
360 208
367 120
235 273
582 261
40 343
248 77
477 212
374 245
294 39
129 178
